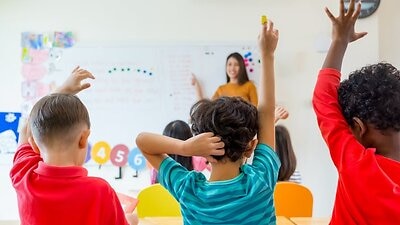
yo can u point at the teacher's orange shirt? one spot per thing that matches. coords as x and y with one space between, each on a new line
247 91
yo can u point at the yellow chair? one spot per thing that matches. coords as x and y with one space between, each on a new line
293 200
156 201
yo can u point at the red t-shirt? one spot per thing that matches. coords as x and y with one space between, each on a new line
49 195
368 188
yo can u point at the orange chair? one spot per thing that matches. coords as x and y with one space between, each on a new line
293 200
156 201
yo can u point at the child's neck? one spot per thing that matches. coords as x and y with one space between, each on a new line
225 170
392 155
60 158
389 146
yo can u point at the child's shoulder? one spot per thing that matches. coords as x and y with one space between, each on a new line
265 151
97 183
264 146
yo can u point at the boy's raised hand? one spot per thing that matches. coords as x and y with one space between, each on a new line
343 25
73 83
268 38
204 144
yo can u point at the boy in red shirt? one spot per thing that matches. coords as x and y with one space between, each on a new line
51 184
359 119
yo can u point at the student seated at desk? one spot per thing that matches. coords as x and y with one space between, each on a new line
181 130
225 128
284 149
51 184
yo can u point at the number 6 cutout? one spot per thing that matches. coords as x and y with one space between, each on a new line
136 160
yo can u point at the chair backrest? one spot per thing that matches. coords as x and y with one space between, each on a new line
293 200
156 201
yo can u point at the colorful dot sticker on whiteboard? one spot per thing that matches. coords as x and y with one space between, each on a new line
128 69
119 155
101 152
247 61
136 160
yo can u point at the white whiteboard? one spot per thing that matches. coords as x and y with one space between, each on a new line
142 87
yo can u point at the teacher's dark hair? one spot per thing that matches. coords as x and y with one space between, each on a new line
243 77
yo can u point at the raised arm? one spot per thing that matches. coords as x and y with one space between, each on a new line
25 133
73 84
333 126
342 33
268 40
155 147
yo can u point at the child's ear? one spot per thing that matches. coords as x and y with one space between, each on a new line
359 128
83 140
250 148
33 145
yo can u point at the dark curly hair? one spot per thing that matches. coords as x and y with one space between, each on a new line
231 118
373 95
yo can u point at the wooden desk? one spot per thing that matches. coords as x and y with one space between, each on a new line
280 220
310 221
9 222
161 221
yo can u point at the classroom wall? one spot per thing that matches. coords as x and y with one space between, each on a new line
389 34
303 40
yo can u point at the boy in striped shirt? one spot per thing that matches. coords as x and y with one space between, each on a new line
225 129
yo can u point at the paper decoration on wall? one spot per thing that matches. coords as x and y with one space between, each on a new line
39 55
35 41
33 89
136 160
55 56
25 57
63 39
34 56
31 40
119 155
101 152
9 131
33 72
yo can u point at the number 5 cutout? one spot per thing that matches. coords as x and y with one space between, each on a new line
119 155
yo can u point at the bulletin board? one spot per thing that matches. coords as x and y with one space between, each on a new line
139 87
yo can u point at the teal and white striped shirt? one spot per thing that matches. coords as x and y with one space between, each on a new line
245 199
